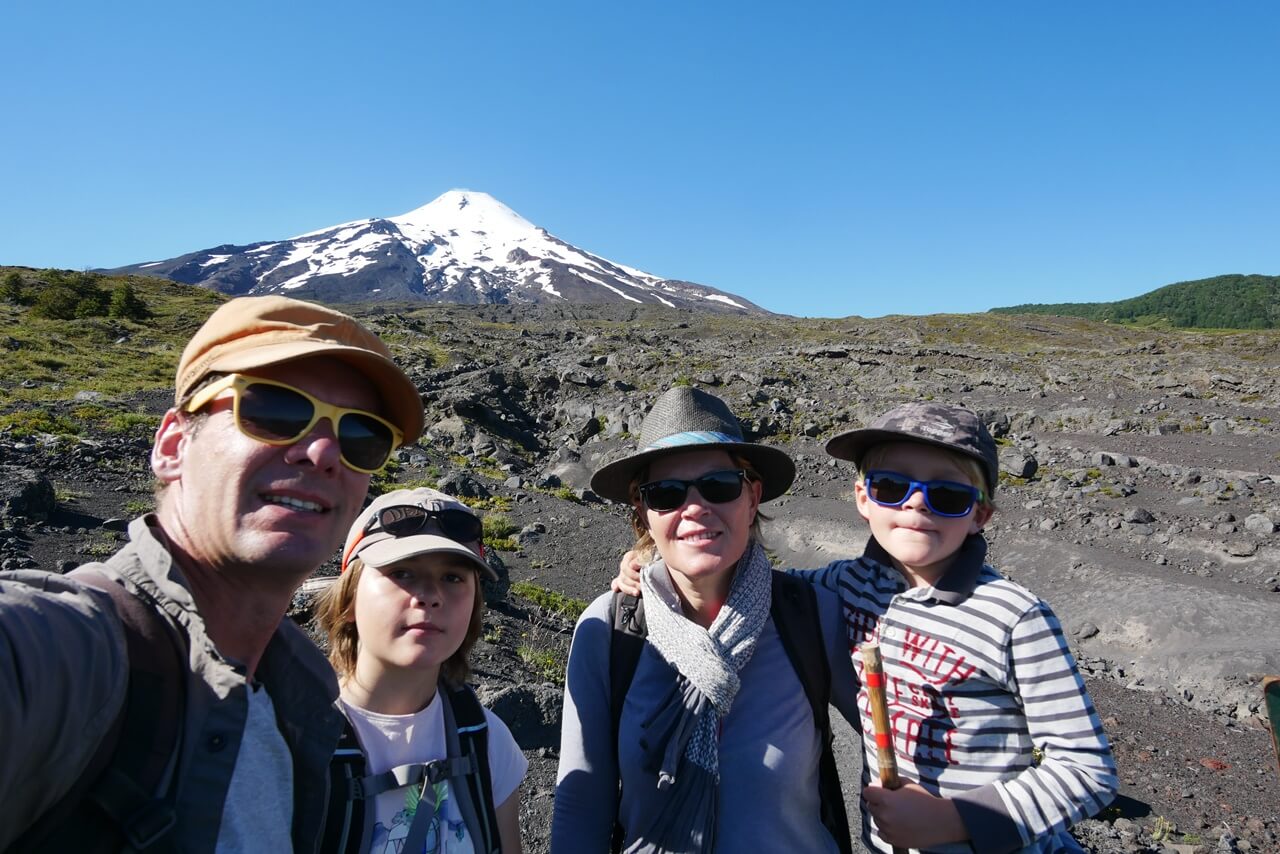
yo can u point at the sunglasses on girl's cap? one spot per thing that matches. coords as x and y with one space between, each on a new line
717 487
277 413
942 497
405 520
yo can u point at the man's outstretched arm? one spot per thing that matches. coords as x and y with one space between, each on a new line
64 672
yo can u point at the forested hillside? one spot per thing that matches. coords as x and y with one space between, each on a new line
1222 302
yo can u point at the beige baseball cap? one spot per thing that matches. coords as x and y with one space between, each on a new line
254 332
377 547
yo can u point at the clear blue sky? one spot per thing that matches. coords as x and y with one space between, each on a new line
820 159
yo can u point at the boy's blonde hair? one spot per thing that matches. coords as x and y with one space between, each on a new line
644 539
335 617
972 468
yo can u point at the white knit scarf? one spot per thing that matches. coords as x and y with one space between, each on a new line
679 738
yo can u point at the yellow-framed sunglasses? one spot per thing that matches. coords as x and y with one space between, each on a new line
277 413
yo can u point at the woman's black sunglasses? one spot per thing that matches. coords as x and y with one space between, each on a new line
942 497
717 487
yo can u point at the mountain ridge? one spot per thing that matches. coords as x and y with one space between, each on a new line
462 247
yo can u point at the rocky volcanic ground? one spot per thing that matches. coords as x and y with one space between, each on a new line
1139 498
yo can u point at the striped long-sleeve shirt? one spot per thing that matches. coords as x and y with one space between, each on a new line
977 674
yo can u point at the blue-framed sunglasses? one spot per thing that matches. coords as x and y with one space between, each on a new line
942 497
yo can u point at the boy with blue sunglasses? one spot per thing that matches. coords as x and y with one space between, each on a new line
997 741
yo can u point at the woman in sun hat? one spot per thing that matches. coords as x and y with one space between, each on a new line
715 746
401 620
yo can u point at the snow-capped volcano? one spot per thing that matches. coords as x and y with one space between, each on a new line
464 247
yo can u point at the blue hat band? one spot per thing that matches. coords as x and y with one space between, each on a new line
694 437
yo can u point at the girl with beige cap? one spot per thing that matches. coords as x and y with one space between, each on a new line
411 773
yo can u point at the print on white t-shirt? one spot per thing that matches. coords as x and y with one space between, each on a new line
390 839
390 741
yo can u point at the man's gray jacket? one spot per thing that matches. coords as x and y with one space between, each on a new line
63 668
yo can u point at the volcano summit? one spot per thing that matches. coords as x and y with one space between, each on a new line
463 247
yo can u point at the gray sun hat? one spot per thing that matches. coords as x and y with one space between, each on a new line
954 428
379 548
689 419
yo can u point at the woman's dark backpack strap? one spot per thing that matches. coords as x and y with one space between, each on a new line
344 826
626 641
124 799
470 779
625 644
795 615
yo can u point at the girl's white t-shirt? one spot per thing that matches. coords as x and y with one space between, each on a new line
393 740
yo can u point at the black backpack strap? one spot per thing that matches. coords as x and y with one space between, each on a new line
625 644
344 829
470 780
626 641
124 799
795 616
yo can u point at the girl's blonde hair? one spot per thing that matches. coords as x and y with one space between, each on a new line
644 539
335 616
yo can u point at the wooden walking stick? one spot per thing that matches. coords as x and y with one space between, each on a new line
886 759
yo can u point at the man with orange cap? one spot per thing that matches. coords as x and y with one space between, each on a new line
282 411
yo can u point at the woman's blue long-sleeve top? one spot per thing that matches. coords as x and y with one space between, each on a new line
769 747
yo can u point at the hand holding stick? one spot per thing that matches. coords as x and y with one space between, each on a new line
886 759
1271 694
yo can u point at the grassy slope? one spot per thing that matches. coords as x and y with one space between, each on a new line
61 357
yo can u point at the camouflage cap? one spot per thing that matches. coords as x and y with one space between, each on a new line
954 428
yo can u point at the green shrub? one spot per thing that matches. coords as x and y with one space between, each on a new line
384 480
126 304
69 296
493 503
543 662
100 547
56 303
139 506
550 600
565 493
123 422
499 526
11 289
29 422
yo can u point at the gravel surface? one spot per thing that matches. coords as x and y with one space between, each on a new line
1139 499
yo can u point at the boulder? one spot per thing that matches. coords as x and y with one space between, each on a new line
462 485
453 429
1259 524
1018 463
25 494
530 711
496 591
1139 515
